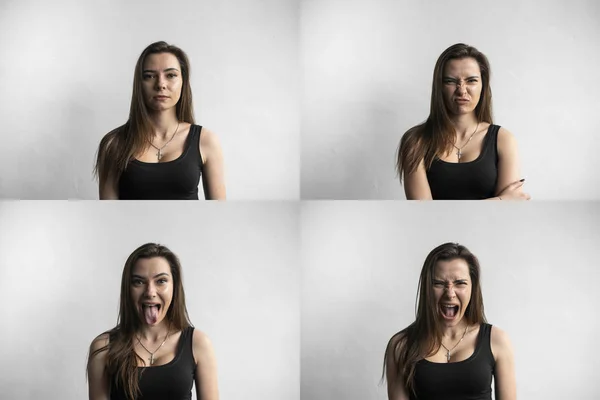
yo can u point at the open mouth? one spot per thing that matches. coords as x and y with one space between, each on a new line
449 311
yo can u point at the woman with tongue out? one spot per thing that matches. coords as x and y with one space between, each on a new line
450 351
154 352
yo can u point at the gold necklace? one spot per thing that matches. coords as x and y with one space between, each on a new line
152 353
459 150
159 154
448 351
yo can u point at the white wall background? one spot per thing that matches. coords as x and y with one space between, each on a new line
61 266
360 271
367 68
66 74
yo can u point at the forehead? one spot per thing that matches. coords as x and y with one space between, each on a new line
161 61
463 67
451 270
151 266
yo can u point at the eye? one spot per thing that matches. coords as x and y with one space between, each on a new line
137 282
438 284
162 281
147 76
172 75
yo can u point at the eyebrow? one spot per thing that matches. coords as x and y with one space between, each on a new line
154 277
470 77
456 280
168 69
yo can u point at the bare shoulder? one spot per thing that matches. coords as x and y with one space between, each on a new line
202 346
108 139
411 134
208 138
210 146
99 342
500 342
506 140
201 340
395 344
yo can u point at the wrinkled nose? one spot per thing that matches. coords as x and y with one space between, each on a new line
461 89
450 292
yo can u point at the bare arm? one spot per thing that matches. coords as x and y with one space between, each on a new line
207 387
107 188
213 177
416 185
504 376
395 386
509 185
97 378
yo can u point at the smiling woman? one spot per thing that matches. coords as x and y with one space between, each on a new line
450 351
458 153
160 153
154 351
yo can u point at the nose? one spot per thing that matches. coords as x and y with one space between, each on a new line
160 83
450 291
150 290
461 87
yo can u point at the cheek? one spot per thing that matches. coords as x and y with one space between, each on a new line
146 88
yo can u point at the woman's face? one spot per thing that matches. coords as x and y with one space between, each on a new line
161 81
462 85
452 290
151 289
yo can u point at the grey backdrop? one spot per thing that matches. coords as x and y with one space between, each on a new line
61 265
367 67
360 269
66 74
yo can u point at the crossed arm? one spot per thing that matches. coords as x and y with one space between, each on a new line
509 186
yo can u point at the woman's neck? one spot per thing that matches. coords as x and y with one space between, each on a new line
164 123
154 333
454 333
464 125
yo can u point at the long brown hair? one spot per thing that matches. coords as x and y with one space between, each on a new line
121 359
119 146
433 137
425 333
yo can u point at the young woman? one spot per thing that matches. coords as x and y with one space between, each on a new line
159 153
458 153
154 351
450 351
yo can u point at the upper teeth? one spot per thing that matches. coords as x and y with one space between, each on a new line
445 305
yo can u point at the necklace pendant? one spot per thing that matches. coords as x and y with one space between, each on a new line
448 356
459 154
159 155
151 359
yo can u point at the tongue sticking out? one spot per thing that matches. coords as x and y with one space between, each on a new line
151 314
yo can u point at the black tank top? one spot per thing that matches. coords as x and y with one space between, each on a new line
470 379
172 180
170 381
475 180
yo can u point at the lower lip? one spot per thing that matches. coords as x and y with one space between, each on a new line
462 101
161 98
